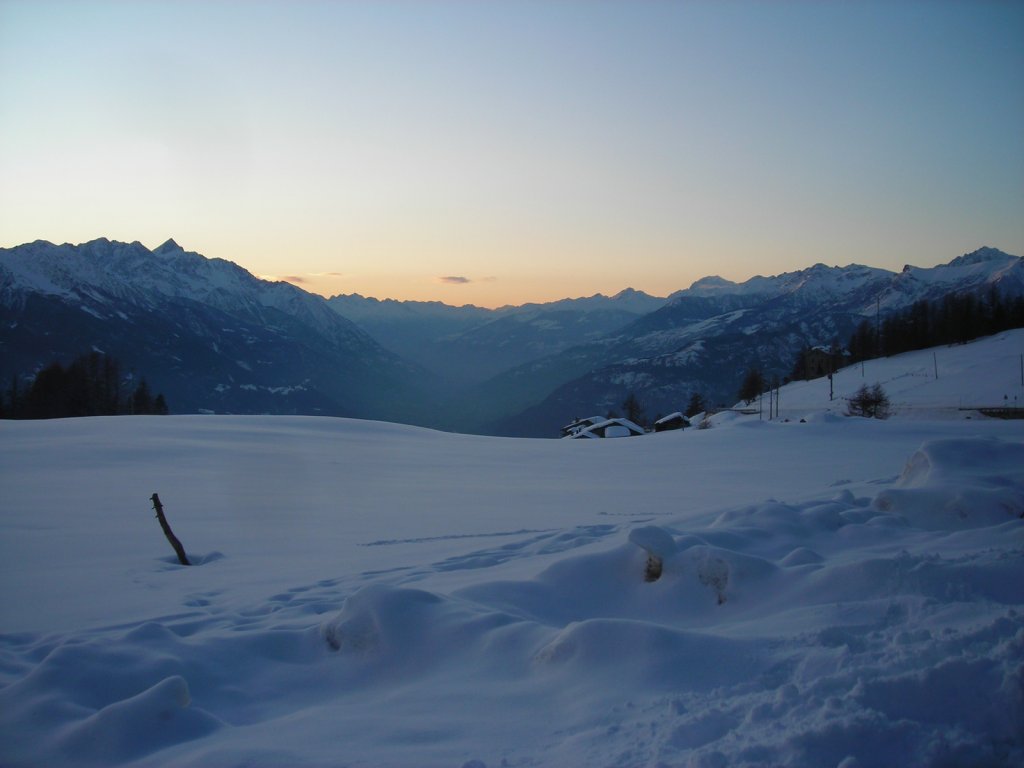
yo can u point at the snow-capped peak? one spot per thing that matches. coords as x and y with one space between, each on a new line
819 280
710 285
111 272
983 255
168 246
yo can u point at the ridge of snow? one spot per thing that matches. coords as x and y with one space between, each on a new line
357 307
628 299
709 285
131 272
978 266
980 256
127 271
818 279
887 289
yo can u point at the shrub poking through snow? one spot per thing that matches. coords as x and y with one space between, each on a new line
652 571
658 544
714 573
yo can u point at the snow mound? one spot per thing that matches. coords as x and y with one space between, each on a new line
952 484
104 703
404 633
138 725
647 654
653 539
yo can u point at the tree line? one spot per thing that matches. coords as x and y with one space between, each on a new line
91 385
954 319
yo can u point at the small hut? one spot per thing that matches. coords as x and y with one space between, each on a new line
673 421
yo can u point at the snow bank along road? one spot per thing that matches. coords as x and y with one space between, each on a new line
839 592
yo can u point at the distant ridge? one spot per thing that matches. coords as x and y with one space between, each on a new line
215 338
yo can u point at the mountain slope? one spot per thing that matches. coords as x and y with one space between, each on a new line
706 337
207 333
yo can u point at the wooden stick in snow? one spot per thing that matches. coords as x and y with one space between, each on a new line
180 550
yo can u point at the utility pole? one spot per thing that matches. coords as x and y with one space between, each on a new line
878 326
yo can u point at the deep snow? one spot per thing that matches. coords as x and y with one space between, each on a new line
834 592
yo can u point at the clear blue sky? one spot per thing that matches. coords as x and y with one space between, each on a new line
532 150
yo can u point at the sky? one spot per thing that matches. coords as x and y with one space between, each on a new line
507 152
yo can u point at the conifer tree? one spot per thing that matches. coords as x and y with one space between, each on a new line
633 409
142 401
753 385
695 405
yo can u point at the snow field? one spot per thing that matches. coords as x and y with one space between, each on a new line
838 592
983 373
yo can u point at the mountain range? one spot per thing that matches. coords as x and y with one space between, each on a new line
706 337
214 338
205 332
467 345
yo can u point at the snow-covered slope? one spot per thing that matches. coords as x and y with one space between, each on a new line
835 592
943 382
